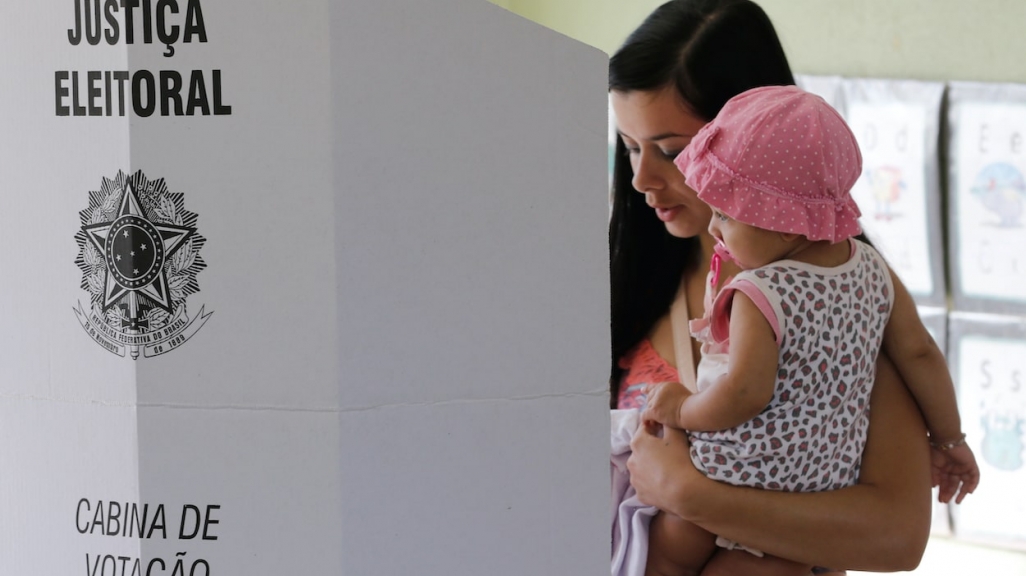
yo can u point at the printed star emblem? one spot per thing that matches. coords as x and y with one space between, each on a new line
130 266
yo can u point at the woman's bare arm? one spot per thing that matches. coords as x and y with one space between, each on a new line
880 524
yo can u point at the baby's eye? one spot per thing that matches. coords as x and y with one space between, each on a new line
723 217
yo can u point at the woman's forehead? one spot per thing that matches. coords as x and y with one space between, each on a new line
653 115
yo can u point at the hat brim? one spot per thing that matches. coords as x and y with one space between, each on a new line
758 205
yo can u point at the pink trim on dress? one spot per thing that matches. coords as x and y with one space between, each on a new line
721 312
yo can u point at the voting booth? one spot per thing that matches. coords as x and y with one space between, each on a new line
312 287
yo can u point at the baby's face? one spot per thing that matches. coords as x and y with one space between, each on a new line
749 247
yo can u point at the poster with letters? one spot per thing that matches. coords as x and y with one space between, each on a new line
301 287
988 362
987 197
897 125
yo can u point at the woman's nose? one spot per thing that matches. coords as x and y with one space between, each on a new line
647 175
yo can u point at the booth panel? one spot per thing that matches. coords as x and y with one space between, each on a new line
232 256
502 487
470 177
68 443
246 491
50 162
254 179
69 486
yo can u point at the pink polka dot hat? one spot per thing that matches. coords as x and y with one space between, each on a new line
780 159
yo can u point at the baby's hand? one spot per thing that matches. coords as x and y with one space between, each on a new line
664 401
953 468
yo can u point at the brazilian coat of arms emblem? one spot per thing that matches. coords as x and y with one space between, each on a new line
139 252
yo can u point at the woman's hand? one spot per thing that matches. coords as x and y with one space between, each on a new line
661 468
881 524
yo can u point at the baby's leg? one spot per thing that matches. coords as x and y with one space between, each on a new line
677 547
739 562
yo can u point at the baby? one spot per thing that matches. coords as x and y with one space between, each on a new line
790 343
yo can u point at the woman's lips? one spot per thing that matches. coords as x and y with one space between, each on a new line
668 214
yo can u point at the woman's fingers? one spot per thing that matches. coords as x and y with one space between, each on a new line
647 461
649 430
660 463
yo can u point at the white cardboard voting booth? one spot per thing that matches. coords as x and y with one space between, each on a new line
310 287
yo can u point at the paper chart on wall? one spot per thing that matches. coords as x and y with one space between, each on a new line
892 191
897 125
990 196
992 402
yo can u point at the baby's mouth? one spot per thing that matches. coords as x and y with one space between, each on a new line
722 251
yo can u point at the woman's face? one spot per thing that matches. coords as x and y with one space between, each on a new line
655 127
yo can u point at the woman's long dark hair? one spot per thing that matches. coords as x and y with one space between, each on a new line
710 51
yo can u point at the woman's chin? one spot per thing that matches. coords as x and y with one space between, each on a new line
685 229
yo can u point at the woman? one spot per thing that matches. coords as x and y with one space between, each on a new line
672 76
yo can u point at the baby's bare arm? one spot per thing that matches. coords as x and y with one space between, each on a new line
922 366
747 387
880 525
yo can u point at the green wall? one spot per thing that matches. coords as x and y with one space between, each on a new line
982 40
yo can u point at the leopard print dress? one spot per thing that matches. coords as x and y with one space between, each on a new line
829 324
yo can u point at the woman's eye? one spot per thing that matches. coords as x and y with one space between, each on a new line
672 154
